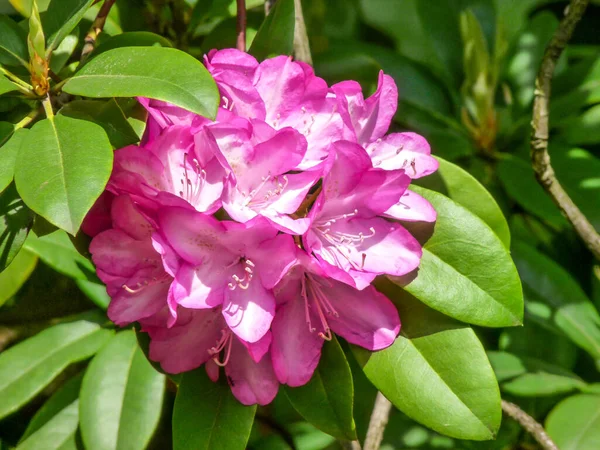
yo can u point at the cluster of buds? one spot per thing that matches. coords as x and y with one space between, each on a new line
247 241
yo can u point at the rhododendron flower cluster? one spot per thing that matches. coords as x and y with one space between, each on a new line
245 242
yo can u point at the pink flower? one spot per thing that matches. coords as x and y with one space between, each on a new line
314 305
346 232
227 264
246 241
202 336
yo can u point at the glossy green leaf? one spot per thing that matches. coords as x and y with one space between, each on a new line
57 250
480 282
31 365
95 291
465 190
518 179
207 416
583 129
58 434
578 171
8 156
15 222
62 168
63 52
121 397
61 18
529 377
133 72
574 424
553 296
6 85
436 372
16 274
108 114
326 400
56 421
62 398
24 6
276 34
132 39
13 43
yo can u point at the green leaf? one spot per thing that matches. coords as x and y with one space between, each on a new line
63 167
131 39
465 190
326 400
583 129
62 398
574 424
466 272
61 18
133 72
24 6
436 372
59 432
108 114
96 292
15 222
207 416
63 52
8 156
121 397
6 86
553 296
31 365
13 43
16 274
57 250
276 35
518 179
529 377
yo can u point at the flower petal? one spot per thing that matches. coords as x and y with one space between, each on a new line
412 208
408 151
200 287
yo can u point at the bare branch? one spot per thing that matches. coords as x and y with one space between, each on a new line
301 46
539 139
97 27
378 422
529 424
241 25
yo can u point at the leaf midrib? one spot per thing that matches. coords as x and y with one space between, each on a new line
62 172
122 406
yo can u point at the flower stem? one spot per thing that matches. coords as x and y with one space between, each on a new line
96 28
379 420
22 86
47 103
241 25
540 158
529 424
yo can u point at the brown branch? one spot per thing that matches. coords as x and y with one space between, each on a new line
539 140
241 25
301 45
96 28
350 445
529 424
378 422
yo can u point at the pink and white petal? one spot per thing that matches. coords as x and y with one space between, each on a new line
141 162
281 84
249 312
380 109
170 260
286 224
251 383
212 370
200 287
349 162
194 236
127 218
127 307
408 151
412 208
241 96
273 258
243 238
259 349
185 347
366 318
295 350
98 218
296 187
232 59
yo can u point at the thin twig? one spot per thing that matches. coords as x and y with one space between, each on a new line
529 424
241 25
301 45
539 139
97 27
378 422
350 445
